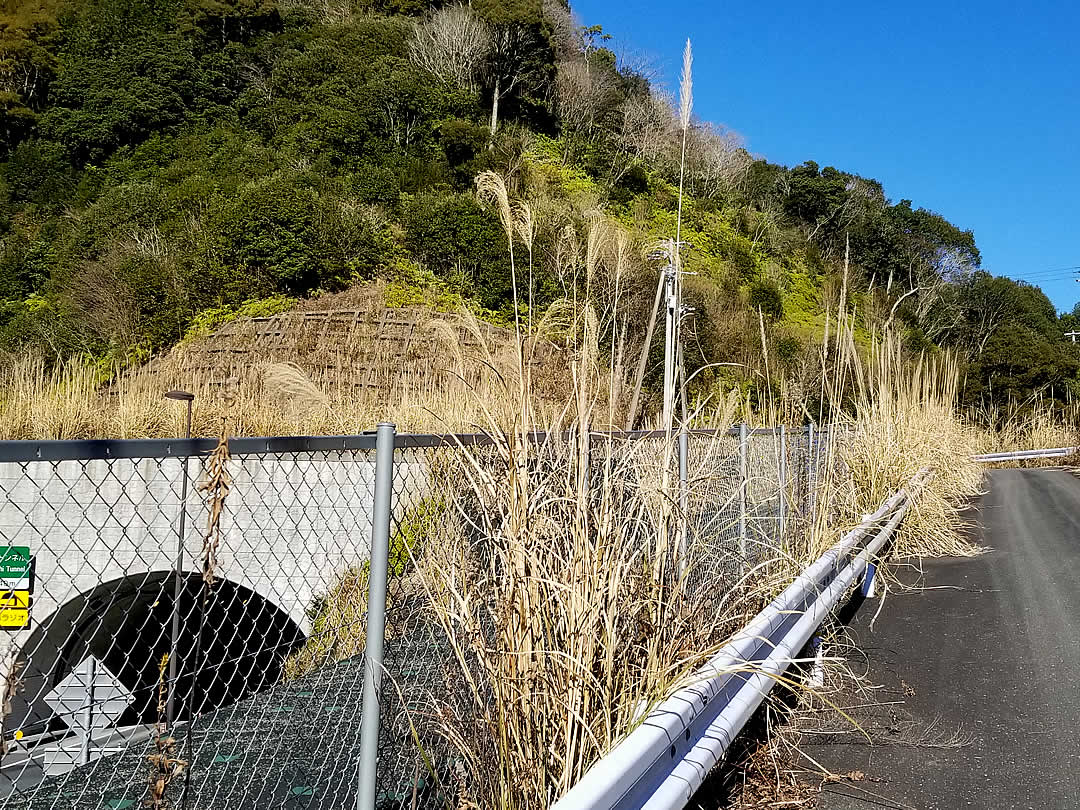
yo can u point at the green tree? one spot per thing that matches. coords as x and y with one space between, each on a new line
111 97
462 243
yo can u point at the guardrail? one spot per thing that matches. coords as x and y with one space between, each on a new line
666 759
1020 455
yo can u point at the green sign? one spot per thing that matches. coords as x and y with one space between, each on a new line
15 562
14 565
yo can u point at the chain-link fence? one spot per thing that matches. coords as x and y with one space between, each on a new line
184 622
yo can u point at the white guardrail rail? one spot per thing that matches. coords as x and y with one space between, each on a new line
663 761
1020 455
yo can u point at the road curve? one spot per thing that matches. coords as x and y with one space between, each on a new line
986 661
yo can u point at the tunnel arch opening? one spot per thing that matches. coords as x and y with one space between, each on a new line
231 642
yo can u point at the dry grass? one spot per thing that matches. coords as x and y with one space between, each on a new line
902 417
1038 424
565 608
68 400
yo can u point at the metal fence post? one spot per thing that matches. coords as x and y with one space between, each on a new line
742 489
178 571
684 484
783 480
376 616
587 458
810 472
88 711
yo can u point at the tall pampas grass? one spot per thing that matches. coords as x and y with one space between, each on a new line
287 381
904 417
491 188
561 636
525 228
686 107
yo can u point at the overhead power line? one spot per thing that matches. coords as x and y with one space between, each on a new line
1062 272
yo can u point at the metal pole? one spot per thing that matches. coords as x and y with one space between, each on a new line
742 489
631 417
669 348
178 570
88 710
376 616
684 461
684 485
783 480
810 472
821 466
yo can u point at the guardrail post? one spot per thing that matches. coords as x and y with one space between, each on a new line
742 489
816 680
783 480
869 581
376 616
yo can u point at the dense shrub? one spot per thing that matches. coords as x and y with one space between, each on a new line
461 242
765 296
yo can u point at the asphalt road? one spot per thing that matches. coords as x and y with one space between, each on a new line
979 668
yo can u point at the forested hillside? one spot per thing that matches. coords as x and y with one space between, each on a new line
168 164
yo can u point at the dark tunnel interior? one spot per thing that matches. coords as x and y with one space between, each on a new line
230 642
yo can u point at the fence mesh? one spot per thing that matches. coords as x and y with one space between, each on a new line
232 652
196 629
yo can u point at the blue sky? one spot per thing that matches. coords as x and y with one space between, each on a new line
968 109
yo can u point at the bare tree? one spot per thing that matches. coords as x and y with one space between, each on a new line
581 96
937 305
715 160
104 297
452 45
635 61
647 134
565 29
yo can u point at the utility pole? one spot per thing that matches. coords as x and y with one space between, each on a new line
1072 335
668 289
670 340
631 417
672 334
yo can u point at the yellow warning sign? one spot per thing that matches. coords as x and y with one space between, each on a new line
14 609
14 600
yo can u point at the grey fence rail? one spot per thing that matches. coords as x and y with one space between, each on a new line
189 628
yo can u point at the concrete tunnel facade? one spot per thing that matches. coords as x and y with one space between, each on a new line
104 535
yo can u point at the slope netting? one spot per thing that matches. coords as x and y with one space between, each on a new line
185 628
